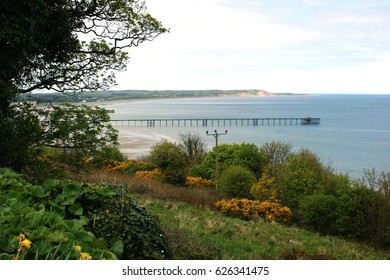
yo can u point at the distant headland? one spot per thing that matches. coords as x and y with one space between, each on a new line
116 95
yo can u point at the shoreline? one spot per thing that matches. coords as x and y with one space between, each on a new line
136 145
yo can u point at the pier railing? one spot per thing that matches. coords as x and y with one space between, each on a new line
215 122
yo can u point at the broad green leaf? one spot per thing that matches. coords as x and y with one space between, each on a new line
116 246
76 209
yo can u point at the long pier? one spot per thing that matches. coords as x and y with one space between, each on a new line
216 122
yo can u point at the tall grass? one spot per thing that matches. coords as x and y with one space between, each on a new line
150 188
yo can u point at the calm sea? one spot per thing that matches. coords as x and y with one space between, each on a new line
354 133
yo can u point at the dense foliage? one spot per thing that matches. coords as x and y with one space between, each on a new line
236 181
245 155
47 136
130 231
58 215
171 160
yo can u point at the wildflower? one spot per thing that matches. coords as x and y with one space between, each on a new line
24 245
85 256
77 248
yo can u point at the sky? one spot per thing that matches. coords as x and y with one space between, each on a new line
302 46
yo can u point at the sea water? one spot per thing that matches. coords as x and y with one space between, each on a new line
354 133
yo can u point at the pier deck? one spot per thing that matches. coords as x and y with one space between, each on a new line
216 122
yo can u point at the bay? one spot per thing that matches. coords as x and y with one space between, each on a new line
354 133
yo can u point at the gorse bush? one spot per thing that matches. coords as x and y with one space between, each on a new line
262 190
198 182
58 215
155 173
254 209
125 167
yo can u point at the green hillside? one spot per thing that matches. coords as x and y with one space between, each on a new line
196 230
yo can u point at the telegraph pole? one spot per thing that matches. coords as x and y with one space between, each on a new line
216 134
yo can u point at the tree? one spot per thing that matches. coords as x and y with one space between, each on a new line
302 175
171 160
194 146
80 130
274 154
245 155
319 212
44 46
73 132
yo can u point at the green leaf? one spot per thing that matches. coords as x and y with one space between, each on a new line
51 184
76 209
32 219
57 236
40 191
116 246
70 193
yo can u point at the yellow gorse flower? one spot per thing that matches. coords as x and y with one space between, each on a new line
122 166
24 243
198 182
85 256
155 173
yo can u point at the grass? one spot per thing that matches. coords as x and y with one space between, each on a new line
195 230
232 238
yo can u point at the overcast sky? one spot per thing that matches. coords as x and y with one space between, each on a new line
302 46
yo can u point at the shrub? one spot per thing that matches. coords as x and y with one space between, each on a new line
254 209
262 190
319 212
125 167
355 213
129 230
199 170
108 153
155 173
236 181
171 160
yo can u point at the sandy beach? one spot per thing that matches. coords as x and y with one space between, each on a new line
137 145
